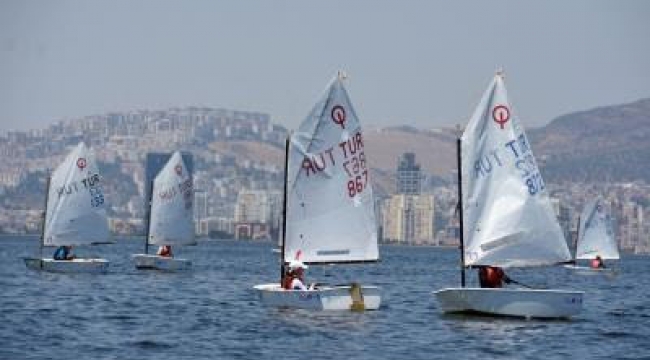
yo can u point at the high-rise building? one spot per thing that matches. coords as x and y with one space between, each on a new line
257 213
643 245
409 175
200 211
409 219
392 218
630 216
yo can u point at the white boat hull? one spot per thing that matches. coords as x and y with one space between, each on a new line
588 270
527 303
155 262
322 298
91 266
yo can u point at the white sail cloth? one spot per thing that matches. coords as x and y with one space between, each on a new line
596 236
171 221
508 218
330 208
76 209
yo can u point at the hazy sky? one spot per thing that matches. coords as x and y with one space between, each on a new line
423 63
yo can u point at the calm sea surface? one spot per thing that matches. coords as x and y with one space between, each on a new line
212 312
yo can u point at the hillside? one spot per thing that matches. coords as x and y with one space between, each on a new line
252 151
605 143
435 149
435 152
602 144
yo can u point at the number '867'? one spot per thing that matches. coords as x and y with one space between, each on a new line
357 184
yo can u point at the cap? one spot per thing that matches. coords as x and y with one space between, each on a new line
297 264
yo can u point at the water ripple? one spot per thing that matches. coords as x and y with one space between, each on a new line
212 311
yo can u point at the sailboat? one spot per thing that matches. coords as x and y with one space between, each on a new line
595 238
506 219
75 213
329 214
170 216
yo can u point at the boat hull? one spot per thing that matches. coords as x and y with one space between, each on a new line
527 303
91 266
587 270
322 298
155 262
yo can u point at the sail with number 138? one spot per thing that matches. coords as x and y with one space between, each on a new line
506 215
75 213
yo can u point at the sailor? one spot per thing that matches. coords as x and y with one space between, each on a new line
492 277
597 263
165 251
63 253
294 279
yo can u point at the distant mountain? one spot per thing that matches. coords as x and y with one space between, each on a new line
434 150
609 143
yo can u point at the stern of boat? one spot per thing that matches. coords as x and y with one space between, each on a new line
90 266
323 298
155 262
526 303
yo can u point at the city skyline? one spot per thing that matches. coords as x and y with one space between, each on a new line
423 63
238 177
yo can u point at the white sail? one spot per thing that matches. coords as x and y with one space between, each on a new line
595 236
76 209
508 218
171 221
330 207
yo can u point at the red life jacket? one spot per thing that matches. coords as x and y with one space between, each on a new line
491 277
166 251
286 282
596 263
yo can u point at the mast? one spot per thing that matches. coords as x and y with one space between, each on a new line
460 213
47 198
284 206
146 239
575 244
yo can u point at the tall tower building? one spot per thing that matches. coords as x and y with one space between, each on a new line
408 216
409 176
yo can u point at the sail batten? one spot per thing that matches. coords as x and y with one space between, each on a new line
76 210
596 236
330 209
172 220
508 218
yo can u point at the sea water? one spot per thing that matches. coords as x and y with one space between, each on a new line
212 312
